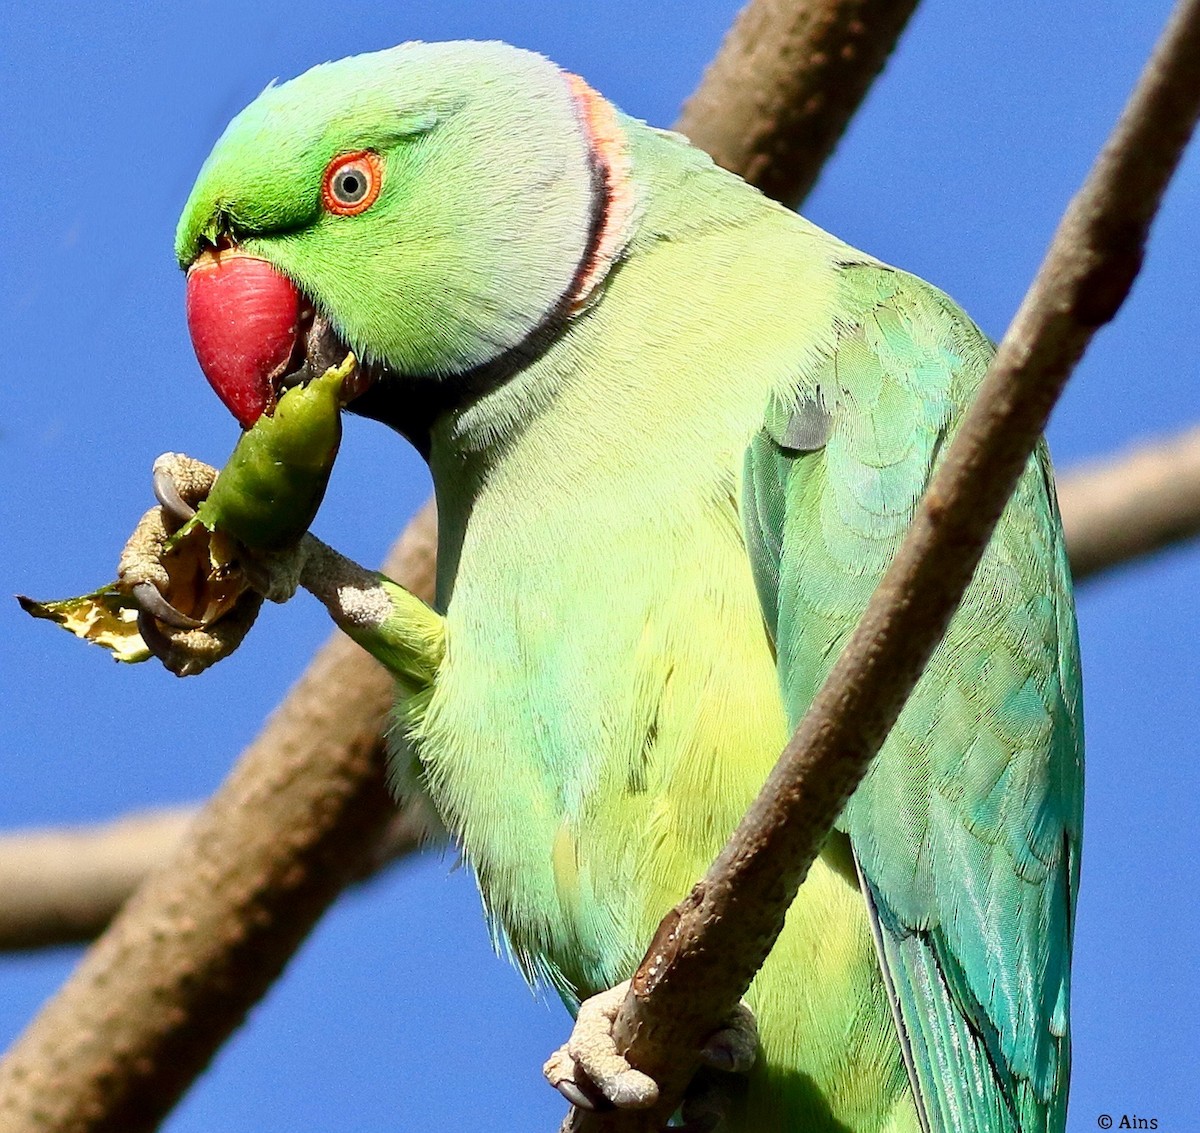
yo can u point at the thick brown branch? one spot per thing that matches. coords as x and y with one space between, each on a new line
709 947
786 83
64 886
1125 507
205 936
61 886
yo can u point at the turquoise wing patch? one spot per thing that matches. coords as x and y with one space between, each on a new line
966 828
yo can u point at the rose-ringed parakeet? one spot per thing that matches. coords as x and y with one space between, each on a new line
676 434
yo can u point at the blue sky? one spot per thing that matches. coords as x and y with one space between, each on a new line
396 1015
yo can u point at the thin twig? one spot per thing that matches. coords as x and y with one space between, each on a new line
708 949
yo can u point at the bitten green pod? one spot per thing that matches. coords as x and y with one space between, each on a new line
269 490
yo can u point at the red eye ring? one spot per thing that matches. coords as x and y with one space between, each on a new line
352 182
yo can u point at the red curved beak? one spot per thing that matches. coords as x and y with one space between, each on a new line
245 321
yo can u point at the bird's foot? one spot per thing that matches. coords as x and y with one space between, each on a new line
189 617
198 592
591 1073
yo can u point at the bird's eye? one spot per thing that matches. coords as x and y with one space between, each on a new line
352 182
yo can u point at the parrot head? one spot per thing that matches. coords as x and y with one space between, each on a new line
434 208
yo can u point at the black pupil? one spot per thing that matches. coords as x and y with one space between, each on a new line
351 186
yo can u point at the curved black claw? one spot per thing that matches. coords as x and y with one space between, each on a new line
163 648
169 498
575 1095
156 641
150 601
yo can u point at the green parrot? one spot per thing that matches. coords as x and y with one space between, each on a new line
676 434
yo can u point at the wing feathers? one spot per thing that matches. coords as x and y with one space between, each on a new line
966 828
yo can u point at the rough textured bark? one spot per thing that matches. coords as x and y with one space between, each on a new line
199 943
709 947
812 63
60 886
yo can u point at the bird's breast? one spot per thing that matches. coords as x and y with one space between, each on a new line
607 708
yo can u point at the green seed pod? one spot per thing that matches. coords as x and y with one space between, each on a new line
269 490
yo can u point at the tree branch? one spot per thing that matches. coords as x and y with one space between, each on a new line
61 886
64 886
709 947
1128 506
812 64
